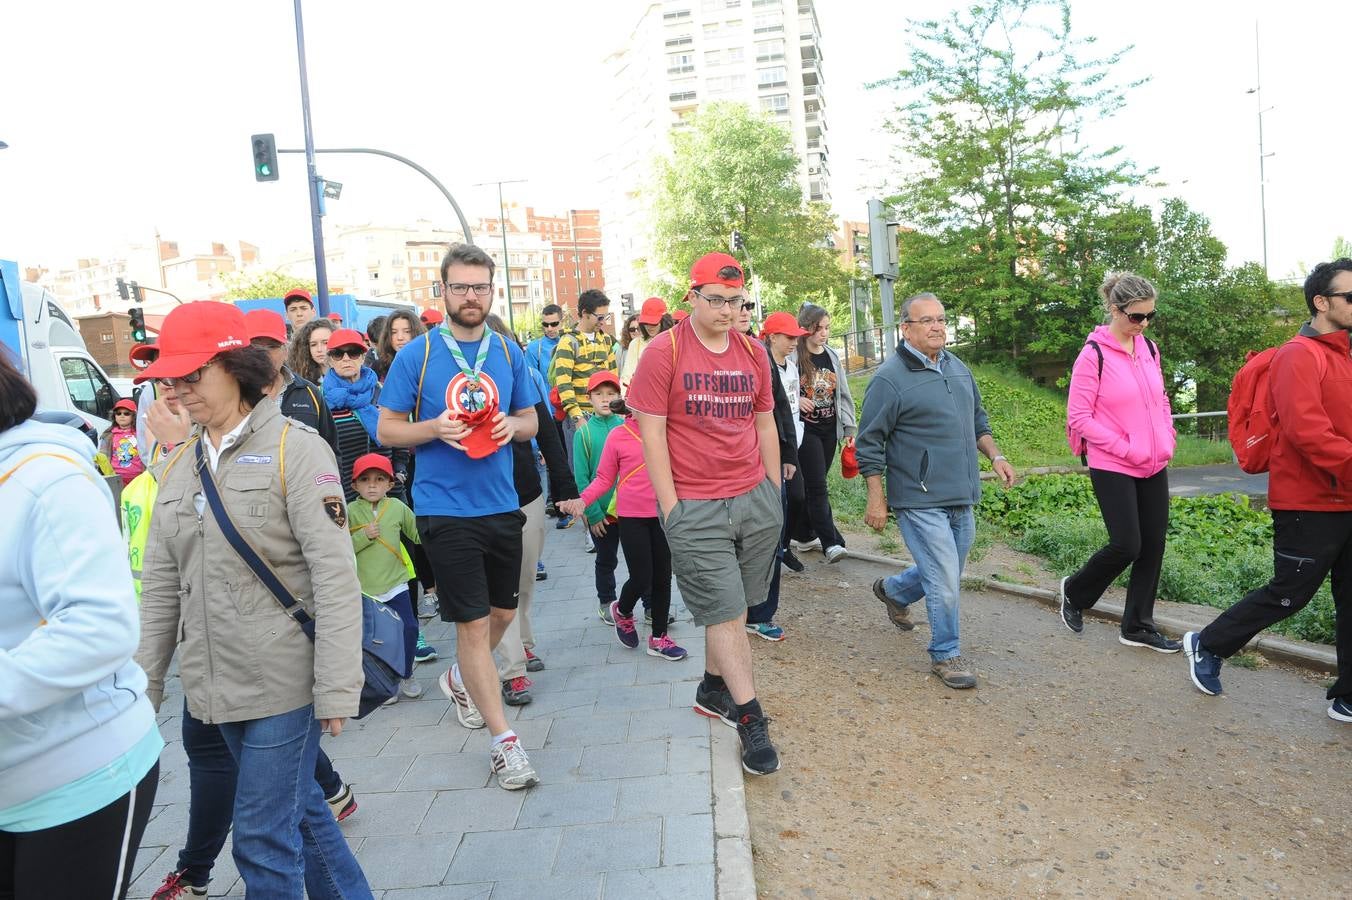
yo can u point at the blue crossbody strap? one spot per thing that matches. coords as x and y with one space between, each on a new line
246 552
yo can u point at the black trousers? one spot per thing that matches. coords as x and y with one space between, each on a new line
815 456
795 509
607 558
1136 511
648 558
93 856
1307 547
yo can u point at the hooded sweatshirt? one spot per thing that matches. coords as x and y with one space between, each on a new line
72 702
1124 416
622 466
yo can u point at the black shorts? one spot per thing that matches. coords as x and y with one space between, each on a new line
476 561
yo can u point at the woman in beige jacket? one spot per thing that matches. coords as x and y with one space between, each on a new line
244 662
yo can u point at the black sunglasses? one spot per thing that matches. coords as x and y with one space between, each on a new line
347 353
1346 295
1138 318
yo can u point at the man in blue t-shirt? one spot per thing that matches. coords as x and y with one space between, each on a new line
461 394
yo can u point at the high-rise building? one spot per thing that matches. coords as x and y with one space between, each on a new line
683 53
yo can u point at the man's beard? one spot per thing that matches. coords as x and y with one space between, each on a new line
469 317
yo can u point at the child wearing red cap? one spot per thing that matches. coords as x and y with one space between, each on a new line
118 442
602 388
376 522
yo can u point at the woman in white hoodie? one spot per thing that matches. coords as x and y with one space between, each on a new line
79 747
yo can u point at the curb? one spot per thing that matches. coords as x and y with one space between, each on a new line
734 873
1302 653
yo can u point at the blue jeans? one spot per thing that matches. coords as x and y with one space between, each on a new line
286 839
938 540
764 612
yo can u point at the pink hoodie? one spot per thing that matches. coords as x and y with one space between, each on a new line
1124 417
622 460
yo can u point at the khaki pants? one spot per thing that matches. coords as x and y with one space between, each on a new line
511 652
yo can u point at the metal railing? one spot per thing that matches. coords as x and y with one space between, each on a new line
860 350
1210 426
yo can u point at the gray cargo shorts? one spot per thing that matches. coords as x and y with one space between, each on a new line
723 552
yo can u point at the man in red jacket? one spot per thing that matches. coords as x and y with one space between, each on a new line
1309 490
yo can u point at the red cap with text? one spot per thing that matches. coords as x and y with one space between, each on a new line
194 334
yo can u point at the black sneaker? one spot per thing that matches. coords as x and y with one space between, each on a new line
1072 617
899 614
1152 639
1203 665
516 691
716 704
791 562
759 756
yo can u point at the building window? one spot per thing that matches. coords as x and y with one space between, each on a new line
681 63
769 51
713 57
676 15
769 23
736 54
106 338
681 96
774 77
710 29
775 103
682 41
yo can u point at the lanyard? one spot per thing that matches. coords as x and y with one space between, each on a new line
481 357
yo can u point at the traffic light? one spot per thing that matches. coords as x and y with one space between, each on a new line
138 324
736 243
627 302
265 157
122 290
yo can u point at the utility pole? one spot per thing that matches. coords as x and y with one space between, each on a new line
882 236
316 210
506 260
1257 91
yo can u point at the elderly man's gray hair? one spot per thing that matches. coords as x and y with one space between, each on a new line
906 304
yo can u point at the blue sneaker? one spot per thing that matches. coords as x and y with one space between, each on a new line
425 652
766 631
666 648
1204 665
1341 709
563 522
540 573
625 631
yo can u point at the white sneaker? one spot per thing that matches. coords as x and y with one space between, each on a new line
465 710
394 698
428 605
511 765
411 688
834 553
814 544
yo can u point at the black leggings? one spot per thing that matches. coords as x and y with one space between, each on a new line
1136 512
649 560
815 456
93 856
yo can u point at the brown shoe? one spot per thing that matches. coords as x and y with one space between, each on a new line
954 673
900 615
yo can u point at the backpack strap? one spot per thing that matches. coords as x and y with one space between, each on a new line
1098 351
427 353
281 455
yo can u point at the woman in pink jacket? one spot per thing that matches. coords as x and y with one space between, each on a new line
646 553
1119 415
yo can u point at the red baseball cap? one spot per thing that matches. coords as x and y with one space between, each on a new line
654 308
706 269
264 323
296 294
129 405
369 461
432 317
335 317
347 337
600 378
192 335
782 323
143 355
680 315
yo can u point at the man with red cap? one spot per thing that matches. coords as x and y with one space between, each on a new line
461 394
705 408
300 308
432 317
296 397
651 317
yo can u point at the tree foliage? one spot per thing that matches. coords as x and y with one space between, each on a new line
732 169
262 285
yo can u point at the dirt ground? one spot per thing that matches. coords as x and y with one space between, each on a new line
1077 767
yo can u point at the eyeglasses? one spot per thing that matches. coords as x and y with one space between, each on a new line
190 378
1346 295
720 302
633 329
550 324
604 317
346 353
1138 318
749 305
927 321
460 289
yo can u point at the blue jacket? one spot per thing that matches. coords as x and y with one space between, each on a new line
919 429
540 354
71 699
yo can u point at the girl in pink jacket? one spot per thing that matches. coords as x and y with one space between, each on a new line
1118 414
646 553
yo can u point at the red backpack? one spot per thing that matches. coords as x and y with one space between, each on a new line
1253 422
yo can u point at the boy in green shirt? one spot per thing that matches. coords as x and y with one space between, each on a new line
377 522
602 388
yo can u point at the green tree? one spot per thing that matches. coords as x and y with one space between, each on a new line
261 285
732 169
1010 209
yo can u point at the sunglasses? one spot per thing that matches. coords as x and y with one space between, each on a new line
551 324
346 353
1138 318
190 378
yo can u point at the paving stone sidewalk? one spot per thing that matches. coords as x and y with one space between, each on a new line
623 809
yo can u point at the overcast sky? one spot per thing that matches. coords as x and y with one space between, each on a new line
122 118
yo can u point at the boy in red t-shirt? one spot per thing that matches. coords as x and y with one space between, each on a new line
705 411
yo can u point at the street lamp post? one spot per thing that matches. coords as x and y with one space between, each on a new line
506 260
316 209
1257 91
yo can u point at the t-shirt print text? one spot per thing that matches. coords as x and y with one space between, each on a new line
720 394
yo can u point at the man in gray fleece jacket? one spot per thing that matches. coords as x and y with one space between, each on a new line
922 425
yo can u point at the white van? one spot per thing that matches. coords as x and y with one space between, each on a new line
58 364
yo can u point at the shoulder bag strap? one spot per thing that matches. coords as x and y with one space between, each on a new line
241 546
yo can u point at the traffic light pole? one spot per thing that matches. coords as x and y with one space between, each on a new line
316 211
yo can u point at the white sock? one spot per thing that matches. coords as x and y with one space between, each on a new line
455 676
499 738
